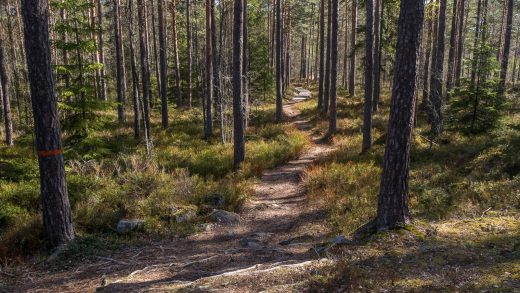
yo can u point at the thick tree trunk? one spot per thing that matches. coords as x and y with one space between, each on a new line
145 74
437 97
4 83
279 59
369 74
504 59
163 65
353 35
57 215
119 64
321 82
238 110
392 208
176 54
334 67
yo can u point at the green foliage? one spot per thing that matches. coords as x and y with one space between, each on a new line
79 104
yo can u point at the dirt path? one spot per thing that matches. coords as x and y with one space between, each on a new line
278 229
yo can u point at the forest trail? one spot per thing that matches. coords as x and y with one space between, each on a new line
278 229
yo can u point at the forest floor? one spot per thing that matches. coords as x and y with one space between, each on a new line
278 229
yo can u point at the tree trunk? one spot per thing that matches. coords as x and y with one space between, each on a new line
392 208
426 76
321 82
4 83
163 74
326 95
57 215
279 60
238 110
245 65
176 54
208 119
119 64
188 48
476 42
369 74
437 97
504 59
103 89
460 42
377 55
135 77
145 74
352 75
453 44
334 67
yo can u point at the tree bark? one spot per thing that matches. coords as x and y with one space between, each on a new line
279 61
377 55
321 82
392 208
176 54
57 215
326 95
437 97
188 48
103 89
460 42
119 64
4 83
453 44
238 110
504 59
163 65
135 77
145 74
208 125
426 76
245 65
369 74
334 67
353 35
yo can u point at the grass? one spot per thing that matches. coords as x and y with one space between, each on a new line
110 178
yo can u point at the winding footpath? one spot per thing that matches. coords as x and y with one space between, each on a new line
277 232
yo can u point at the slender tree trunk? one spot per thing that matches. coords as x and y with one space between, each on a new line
188 47
377 55
245 65
460 42
437 97
208 126
369 74
176 54
135 77
476 42
453 45
145 74
321 73
163 74
238 110
334 65
279 61
103 89
326 95
392 208
345 53
504 59
119 64
353 35
426 75
4 83
57 215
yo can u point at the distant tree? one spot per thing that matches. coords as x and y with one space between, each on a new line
334 66
135 76
176 53
208 119
321 73
189 51
279 59
163 64
377 55
145 74
352 74
119 63
326 93
504 55
437 96
57 215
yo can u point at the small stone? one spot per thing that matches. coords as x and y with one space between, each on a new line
185 216
127 226
224 217
341 240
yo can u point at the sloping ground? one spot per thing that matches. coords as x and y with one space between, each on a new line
278 214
